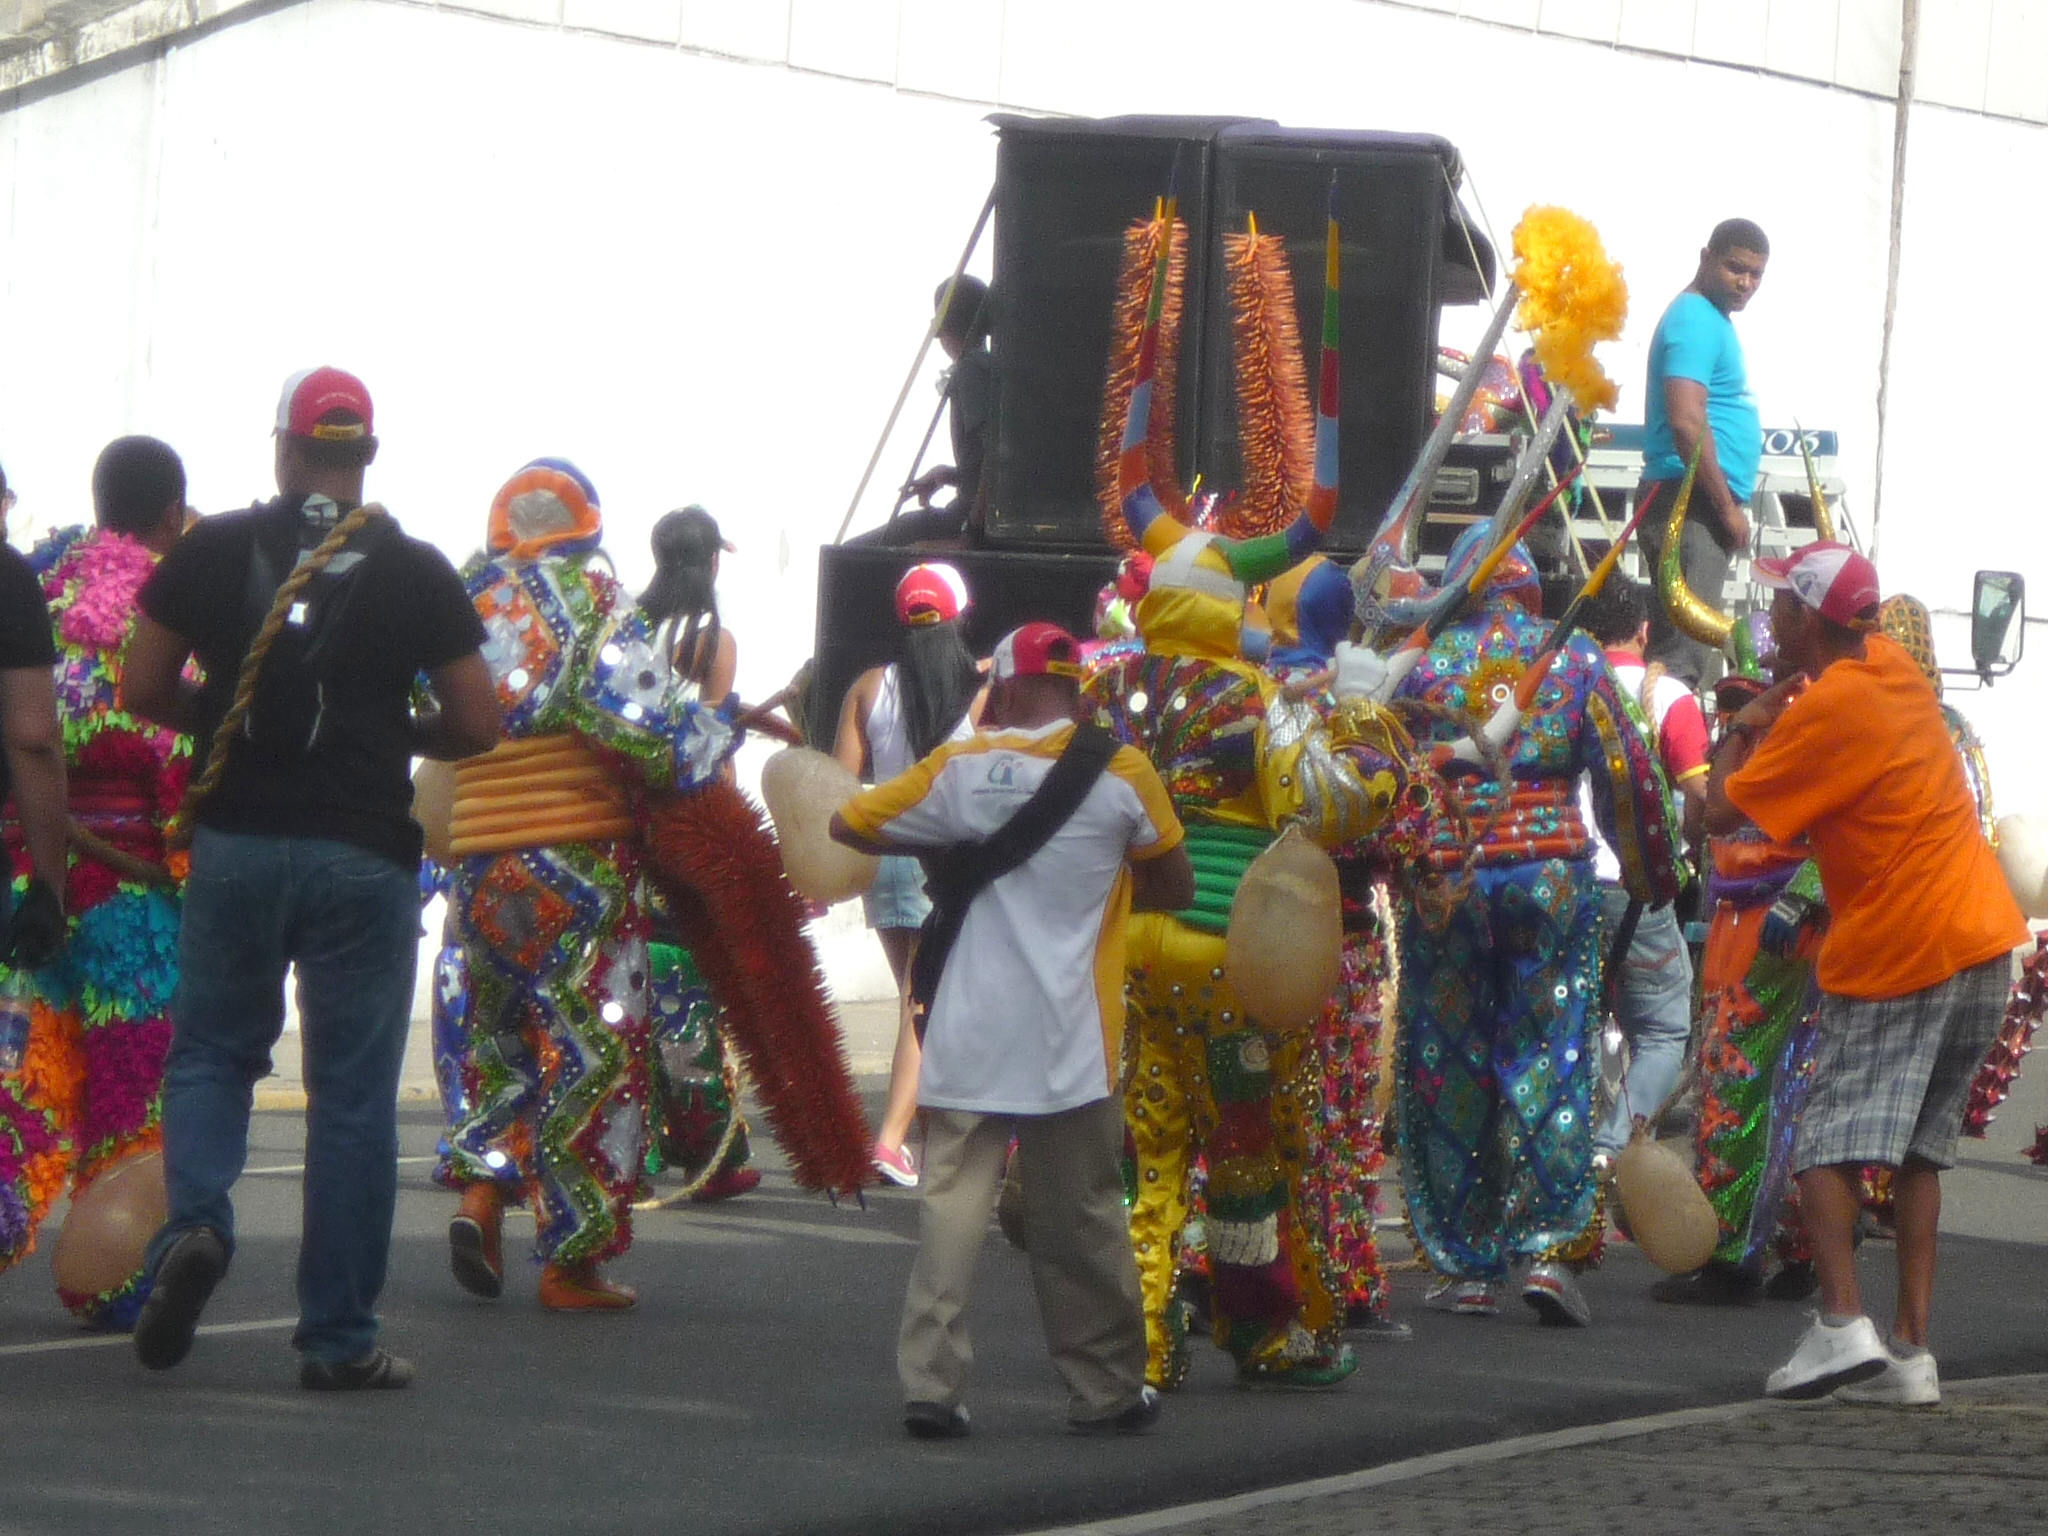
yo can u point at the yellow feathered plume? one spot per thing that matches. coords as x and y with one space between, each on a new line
1572 298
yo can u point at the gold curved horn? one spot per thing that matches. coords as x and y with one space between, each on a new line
1690 613
1823 519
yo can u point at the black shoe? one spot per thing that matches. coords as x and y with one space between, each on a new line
1792 1282
191 1267
1134 1420
1718 1285
379 1370
935 1421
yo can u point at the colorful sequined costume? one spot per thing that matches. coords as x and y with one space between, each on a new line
1755 1049
1497 1059
1202 1074
88 1095
1310 610
544 886
698 1129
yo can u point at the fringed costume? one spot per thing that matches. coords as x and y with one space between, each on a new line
88 1096
1498 1058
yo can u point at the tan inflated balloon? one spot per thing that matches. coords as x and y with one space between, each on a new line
2023 855
433 805
1284 947
110 1225
1668 1214
803 788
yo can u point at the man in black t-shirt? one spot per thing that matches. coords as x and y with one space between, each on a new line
32 765
305 855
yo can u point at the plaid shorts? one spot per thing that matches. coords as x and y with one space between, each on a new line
1893 1074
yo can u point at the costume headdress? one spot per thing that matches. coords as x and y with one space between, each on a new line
548 508
1223 565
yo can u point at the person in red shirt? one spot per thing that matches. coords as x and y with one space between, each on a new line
1850 751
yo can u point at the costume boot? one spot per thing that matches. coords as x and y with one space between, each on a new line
580 1288
476 1247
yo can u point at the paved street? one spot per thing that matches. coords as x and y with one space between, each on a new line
753 1392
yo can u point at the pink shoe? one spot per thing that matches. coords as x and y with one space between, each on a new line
896 1165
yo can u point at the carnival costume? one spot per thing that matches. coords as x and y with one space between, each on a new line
1310 608
1497 1058
1203 1076
1757 1010
608 771
88 1095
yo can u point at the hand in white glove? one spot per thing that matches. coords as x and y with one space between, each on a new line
1361 673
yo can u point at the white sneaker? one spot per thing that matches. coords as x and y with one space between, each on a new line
1910 1381
1827 1358
1465 1298
1556 1296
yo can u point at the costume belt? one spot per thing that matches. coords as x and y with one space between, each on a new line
1749 870
1221 855
533 793
1533 821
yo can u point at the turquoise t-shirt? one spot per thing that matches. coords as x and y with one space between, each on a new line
1696 341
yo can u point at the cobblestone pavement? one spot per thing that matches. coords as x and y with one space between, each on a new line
1977 1460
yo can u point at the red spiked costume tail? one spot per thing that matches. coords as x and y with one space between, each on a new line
715 858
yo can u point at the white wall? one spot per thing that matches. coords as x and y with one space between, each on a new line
691 243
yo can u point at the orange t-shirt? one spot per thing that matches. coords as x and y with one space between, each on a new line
1862 765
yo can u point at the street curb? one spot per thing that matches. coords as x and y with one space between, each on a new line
1415 1467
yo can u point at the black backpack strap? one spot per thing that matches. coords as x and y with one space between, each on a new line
955 876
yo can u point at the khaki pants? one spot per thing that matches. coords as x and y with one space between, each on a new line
1079 1244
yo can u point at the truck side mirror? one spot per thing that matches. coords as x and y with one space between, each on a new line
1998 617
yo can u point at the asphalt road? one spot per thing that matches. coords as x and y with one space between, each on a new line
753 1391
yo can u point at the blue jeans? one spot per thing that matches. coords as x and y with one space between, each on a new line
1653 1003
348 920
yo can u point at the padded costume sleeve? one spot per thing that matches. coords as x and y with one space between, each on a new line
1631 797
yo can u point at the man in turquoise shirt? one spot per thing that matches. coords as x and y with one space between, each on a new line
1698 395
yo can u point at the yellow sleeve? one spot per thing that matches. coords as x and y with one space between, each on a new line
1136 770
870 812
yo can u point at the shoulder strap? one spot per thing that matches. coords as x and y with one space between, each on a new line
957 875
1079 765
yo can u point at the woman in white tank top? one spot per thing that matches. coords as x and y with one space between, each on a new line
893 716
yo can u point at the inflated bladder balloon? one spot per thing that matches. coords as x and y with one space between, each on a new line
1284 946
109 1227
433 805
803 788
1668 1214
2023 855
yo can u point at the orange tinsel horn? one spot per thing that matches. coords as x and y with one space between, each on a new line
1276 429
716 860
1127 335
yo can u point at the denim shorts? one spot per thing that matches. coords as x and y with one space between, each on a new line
897 898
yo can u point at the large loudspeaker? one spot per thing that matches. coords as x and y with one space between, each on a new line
1391 195
1065 193
1066 190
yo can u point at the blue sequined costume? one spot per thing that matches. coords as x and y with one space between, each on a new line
1497 1060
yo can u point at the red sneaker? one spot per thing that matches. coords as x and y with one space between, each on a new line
727 1184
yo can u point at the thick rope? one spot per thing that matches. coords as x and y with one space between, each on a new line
179 833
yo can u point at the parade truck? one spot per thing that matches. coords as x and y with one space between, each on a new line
1065 191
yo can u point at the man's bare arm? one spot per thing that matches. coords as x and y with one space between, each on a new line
153 686
469 720
35 758
1164 884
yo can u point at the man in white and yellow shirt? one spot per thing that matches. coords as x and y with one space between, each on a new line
1025 1037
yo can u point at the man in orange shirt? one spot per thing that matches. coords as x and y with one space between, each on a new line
1850 751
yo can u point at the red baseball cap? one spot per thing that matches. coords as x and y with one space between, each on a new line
313 395
930 594
1830 578
1037 650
